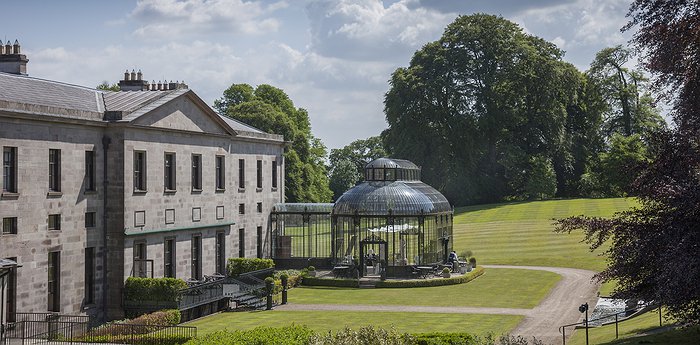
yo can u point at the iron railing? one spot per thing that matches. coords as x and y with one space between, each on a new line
48 332
607 319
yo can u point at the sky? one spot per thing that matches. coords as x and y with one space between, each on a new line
332 57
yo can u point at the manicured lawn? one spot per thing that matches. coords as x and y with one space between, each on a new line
521 233
335 320
505 288
648 322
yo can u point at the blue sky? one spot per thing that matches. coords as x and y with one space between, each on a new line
332 57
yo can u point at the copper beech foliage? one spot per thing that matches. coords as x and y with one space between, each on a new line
654 251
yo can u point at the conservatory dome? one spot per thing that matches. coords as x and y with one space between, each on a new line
391 187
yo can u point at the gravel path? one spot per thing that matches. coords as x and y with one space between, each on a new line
558 308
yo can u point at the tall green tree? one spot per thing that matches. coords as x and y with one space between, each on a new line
472 107
630 109
105 85
653 249
347 164
270 109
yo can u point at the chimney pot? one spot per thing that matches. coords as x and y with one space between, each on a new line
15 47
126 75
139 75
133 75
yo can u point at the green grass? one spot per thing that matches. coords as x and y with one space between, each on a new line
521 233
645 323
503 288
334 320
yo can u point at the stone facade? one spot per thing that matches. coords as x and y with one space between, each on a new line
114 128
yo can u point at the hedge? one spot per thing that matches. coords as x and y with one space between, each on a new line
141 330
312 281
153 289
237 266
479 270
443 338
292 335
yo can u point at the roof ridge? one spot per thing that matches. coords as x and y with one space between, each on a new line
86 88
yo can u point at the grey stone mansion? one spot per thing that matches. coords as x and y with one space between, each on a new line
101 185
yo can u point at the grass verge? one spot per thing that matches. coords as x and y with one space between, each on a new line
322 321
497 287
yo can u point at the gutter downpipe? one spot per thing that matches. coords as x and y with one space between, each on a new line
105 183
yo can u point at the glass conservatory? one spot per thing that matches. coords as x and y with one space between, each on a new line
384 225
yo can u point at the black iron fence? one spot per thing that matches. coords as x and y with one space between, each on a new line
46 328
615 318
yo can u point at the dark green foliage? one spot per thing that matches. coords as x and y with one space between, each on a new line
443 338
347 164
290 335
144 329
236 266
153 289
363 336
311 281
621 164
294 277
473 107
542 180
472 261
465 278
270 109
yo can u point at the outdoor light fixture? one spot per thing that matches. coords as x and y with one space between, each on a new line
584 309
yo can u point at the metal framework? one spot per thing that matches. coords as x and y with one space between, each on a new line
392 215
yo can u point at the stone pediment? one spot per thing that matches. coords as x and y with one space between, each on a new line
185 113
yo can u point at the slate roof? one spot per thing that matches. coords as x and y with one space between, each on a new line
239 126
21 93
40 96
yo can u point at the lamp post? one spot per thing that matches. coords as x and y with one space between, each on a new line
584 309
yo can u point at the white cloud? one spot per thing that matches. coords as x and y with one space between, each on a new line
172 18
367 30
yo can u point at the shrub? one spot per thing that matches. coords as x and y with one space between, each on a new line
364 335
143 324
466 254
237 266
472 261
465 278
153 289
311 268
294 277
292 335
442 338
311 281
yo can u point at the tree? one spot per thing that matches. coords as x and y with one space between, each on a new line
620 165
472 107
347 164
107 87
542 182
270 109
653 253
630 109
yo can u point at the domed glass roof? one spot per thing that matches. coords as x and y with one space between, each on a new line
391 186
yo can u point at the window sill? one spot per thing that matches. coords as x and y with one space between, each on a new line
220 190
241 190
274 189
170 191
9 195
54 194
196 191
258 189
140 191
54 230
8 234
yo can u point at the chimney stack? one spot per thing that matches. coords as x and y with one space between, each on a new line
133 81
11 61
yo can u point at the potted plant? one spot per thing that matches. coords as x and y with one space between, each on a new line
312 271
445 272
